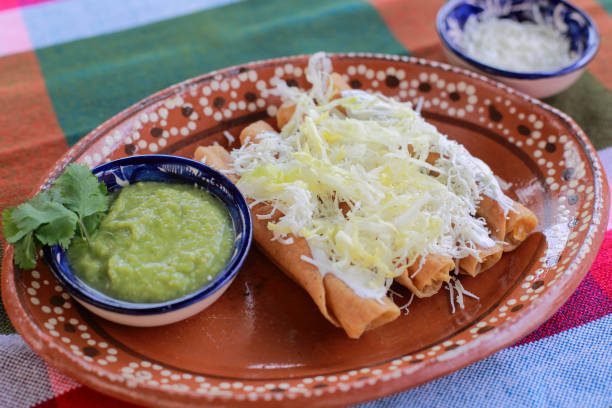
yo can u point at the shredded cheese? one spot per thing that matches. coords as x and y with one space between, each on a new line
516 46
404 307
230 138
455 286
451 295
352 177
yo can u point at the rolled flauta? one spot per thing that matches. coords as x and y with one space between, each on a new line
215 156
520 223
336 301
284 113
491 211
287 109
338 85
423 280
426 280
251 132
516 226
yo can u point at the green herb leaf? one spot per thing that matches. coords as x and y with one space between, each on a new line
60 229
52 216
27 217
81 192
25 252
10 228
92 222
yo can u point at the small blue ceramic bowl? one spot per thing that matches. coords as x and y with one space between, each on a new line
169 169
558 14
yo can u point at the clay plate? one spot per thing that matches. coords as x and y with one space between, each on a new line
264 342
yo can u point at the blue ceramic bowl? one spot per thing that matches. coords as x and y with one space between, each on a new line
558 14
168 169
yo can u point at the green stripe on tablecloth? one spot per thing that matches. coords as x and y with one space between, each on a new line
590 104
92 79
607 4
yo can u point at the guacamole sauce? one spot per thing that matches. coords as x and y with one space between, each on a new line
159 241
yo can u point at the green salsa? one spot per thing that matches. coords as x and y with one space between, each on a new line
159 241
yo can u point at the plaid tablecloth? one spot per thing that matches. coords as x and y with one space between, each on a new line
66 66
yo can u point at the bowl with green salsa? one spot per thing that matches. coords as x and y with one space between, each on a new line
172 241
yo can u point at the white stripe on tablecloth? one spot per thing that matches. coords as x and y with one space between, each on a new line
570 369
23 375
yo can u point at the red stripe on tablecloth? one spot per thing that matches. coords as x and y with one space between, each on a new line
60 383
591 301
32 139
416 30
602 268
84 397
9 4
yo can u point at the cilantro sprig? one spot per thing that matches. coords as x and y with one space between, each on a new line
75 203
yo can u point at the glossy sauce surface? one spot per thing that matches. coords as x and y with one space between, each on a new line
159 241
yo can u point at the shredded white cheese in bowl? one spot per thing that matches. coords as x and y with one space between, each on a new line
516 46
539 47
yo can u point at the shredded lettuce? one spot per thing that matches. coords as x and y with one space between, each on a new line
352 176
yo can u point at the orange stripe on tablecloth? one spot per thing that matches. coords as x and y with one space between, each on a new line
413 23
31 139
601 66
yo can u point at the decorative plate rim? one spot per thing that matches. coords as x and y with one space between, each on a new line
379 385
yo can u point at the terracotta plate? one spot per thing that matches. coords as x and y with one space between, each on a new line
264 341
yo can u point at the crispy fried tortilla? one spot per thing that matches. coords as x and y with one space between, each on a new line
493 214
335 300
427 280
510 232
521 222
